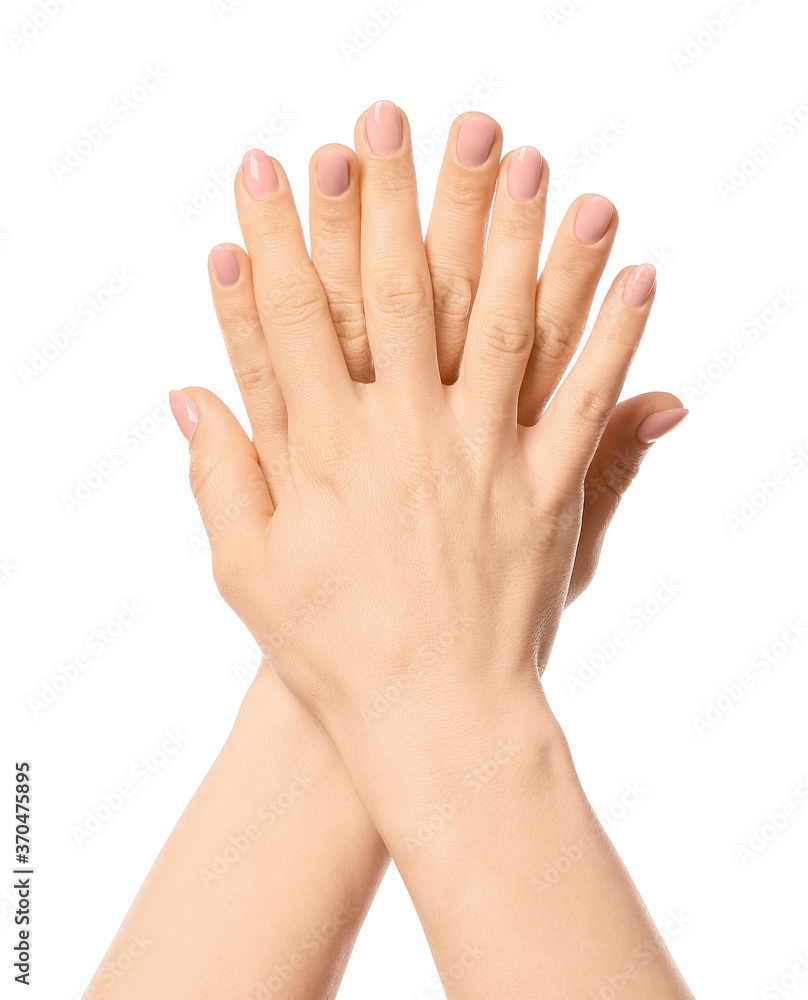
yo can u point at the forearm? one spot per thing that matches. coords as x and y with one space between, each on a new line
264 882
519 890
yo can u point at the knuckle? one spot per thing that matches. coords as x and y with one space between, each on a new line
615 330
220 512
348 316
452 295
204 472
556 340
238 324
462 192
626 341
524 224
615 476
573 264
505 334
295 300
269 227
330 220
591 405
401 294
255 377
391 174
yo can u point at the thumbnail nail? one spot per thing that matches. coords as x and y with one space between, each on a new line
185 412
658 424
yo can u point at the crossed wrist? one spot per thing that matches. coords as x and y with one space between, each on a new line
442 751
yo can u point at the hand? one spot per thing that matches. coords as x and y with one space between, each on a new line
269 224
454 248
434 500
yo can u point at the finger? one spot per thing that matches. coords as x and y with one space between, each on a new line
231 285
396 286
634 425
455 236
500 333
564 297
226 480
569 432
303 344
334 227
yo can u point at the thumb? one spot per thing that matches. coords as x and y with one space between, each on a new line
633 427
225 475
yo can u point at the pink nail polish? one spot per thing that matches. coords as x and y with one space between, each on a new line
185 413
639 285
333 173
259 174
658 424
593 219
474 141
225 266
384 128
524 173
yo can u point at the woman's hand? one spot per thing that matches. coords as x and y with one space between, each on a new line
405 465
454 250
406 566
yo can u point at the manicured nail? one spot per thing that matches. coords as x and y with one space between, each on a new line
384 128
639 285
593 219
184 410
474 141
225 266
524 173
333 173
658 424
259 174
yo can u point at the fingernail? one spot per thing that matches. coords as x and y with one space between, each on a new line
384 128
474 141
225 266
259 174
333 173
524 173
184 410
593 219
639 285
658 424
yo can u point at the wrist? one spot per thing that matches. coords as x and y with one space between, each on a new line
437 752
279 727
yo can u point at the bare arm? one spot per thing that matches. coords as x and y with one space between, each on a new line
518 887
263 884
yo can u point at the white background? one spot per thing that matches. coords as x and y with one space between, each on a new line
687 110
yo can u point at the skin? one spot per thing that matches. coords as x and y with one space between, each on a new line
555 493
264 882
